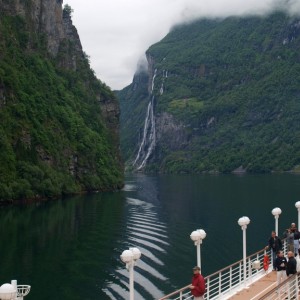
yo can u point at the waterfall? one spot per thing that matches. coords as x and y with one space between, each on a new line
161 91
149 134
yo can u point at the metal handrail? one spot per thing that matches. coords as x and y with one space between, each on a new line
23 290
289 289
229 280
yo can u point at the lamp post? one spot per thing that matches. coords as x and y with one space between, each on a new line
129 257
197 236
12 291
276 212
297 204
243 222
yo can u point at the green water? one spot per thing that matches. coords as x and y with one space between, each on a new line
69 249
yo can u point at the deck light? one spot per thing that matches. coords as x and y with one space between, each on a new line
243 222
197 237
129 257
7 291
12 291
276 212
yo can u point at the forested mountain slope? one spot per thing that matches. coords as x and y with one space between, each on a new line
226 98
59 123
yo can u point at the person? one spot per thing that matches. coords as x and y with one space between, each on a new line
280 265
291 269
296 236
198 284
275 245
289 236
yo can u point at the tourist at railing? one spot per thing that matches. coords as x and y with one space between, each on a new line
289 236
291 269
198 284
275 245
280 265
296 236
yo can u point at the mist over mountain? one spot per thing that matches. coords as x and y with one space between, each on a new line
225 97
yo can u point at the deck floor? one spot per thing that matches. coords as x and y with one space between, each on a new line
258 289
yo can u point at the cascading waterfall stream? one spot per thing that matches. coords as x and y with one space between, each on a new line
149 134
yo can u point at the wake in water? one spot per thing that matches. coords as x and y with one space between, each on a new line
145 231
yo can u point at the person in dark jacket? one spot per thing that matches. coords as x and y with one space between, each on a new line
280 265
275 245
291 267
198 284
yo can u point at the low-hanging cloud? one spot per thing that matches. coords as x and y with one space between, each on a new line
116 33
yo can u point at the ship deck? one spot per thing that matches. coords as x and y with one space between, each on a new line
258 289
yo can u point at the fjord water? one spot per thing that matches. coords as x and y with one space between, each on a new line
70 249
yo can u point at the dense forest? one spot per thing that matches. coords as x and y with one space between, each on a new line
55 136
231 95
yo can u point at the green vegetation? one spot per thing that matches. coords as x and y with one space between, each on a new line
234 84
68 10
185 108
53 137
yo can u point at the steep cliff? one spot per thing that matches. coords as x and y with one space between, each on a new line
226 98
59 123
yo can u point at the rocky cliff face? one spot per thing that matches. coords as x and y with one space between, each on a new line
48 17
70 119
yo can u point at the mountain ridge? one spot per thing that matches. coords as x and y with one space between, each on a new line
229 101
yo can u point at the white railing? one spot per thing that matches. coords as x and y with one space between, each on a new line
22 291
289 289
226 282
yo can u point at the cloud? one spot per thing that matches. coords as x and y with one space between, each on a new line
116 33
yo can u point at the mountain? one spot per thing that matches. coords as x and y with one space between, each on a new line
225 96
59 130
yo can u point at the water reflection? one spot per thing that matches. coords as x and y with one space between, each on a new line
145 231
70 249
57 247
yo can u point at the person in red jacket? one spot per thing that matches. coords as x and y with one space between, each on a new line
198 284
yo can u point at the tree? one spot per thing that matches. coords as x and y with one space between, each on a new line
68 10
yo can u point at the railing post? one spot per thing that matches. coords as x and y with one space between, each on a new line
249 270
284 247
240 275
297 284
220 283
180 296
207 288
230 278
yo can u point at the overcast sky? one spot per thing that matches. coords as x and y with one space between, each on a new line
116 33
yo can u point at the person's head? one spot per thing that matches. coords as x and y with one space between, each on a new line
196 270
273 233
293 225
280 253
290 254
